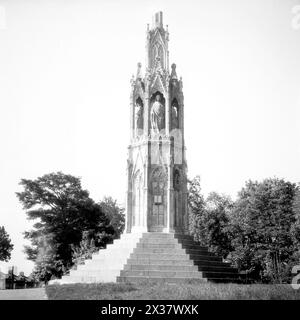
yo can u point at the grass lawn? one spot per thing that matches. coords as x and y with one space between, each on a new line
148 290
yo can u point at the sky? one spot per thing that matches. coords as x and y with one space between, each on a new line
65 69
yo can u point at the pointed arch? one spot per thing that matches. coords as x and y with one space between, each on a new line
159 199
158 84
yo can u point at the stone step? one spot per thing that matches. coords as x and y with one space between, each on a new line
147 261
210 262
196 251
164 267
159 256
170 245
161 273
168 238
161 235
171 242
192 245
204 257
174 251
136 279
157 235
217 268
159 245
172 256
159 240
158 251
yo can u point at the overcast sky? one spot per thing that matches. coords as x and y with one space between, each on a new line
65 69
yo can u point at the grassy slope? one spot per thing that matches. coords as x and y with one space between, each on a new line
156 291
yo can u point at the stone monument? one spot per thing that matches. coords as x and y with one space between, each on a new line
155 244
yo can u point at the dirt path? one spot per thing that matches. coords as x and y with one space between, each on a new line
23 294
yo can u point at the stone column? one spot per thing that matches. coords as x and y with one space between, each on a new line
147 129
128 212
170 193
128 216
186 213
146 190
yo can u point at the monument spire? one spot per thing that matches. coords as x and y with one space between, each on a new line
157 182
157 20
157 43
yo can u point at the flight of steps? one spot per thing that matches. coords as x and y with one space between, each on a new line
105 265
168 257
164 257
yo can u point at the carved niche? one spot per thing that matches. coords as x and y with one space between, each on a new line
138 116
174 114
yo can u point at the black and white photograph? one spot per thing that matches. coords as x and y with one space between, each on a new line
149 150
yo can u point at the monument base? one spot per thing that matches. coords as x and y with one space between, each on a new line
157 256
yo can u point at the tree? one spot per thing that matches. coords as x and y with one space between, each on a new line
48 264
261 227
295 230
196 207
296 226
115 214
62 211
209 218
216 223
5 245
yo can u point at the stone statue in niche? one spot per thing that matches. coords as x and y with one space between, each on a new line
138 117
174 116
157 115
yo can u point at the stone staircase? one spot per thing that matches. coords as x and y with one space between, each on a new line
106 264
175 258
153 256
